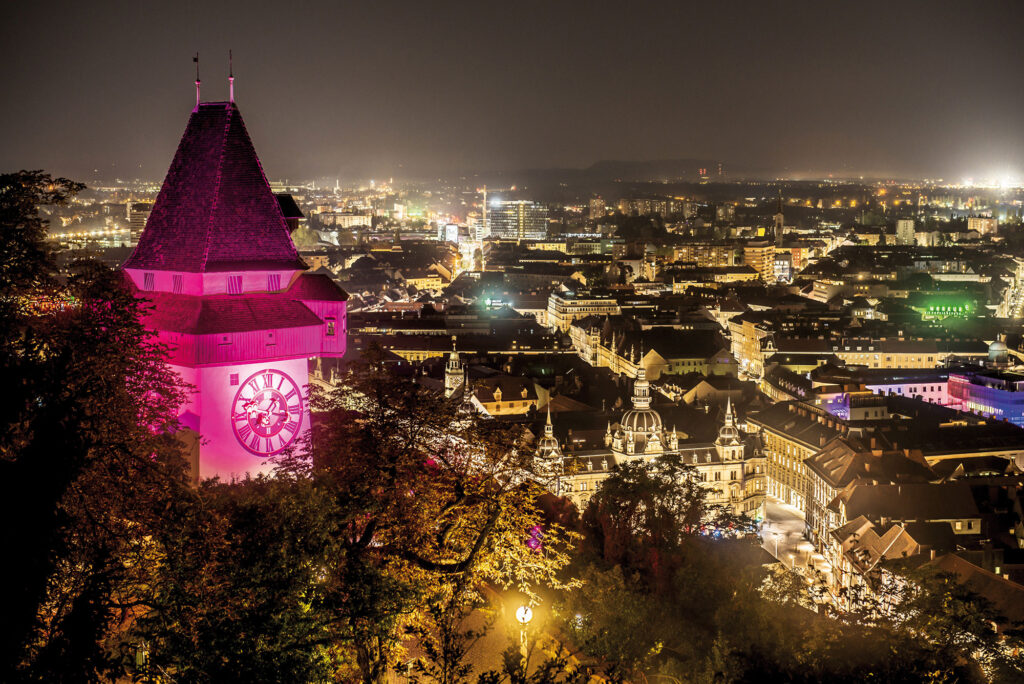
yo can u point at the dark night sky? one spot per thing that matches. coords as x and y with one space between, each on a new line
358 88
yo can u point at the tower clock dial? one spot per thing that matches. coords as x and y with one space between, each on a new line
266 412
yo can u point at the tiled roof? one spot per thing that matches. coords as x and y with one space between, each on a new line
922 502
215 211
217 314
797 424
512 389
1006 596
316 286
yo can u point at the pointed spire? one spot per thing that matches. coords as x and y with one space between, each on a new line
453 359
231 78
549 430
196 60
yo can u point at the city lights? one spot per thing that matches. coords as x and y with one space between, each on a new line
669 341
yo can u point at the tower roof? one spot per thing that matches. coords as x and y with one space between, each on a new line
215 211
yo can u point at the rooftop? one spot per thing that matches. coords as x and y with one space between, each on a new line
215 211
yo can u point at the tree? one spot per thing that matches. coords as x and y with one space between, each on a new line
27 265
430 503
241 576
947 628
645 512
88 461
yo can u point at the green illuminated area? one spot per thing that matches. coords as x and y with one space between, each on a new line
945 307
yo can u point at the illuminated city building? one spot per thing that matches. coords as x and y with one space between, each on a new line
729 467
996 394
983 225
760 256
232 299
137 214
566 307
517 220
707 254
905 232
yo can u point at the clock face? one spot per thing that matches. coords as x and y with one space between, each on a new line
266 412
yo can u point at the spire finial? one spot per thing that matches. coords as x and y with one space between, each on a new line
549 412
196 60
231 77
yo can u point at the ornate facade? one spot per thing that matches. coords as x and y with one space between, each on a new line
731 467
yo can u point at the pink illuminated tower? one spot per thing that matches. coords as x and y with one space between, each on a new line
231 297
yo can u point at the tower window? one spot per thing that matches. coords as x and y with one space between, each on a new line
148 281
273 282
330 327
177 284
235 284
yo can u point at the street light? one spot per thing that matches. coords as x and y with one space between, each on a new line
523 616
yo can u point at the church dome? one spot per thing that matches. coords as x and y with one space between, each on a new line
998 353
729 433
641 420
644 421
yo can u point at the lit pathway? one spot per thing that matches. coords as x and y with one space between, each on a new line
782 535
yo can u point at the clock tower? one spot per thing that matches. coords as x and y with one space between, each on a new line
232 299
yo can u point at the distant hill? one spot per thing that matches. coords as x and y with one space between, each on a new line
667 169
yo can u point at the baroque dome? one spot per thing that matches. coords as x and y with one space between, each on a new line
645 421
641 420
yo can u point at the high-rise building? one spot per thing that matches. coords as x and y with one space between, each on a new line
232 300
983 224
905 232
760 256
137 214
518 219
597 207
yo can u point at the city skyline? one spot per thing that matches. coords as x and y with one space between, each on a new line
355 92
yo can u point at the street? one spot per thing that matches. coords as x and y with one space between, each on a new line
782 535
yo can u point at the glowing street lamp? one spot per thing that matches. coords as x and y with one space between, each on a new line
523 616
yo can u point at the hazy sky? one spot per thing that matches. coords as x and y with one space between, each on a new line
357 89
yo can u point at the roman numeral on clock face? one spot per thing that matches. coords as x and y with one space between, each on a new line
267 412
